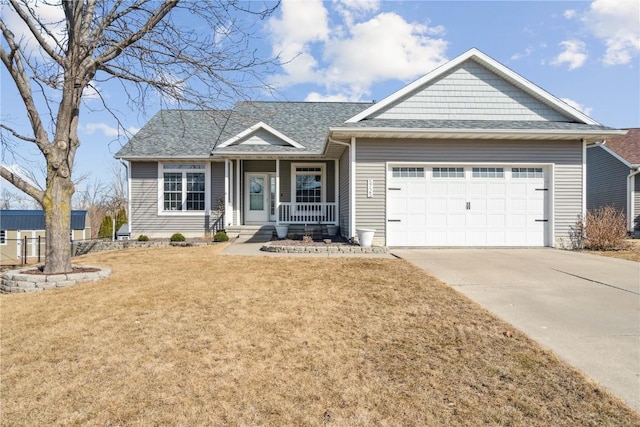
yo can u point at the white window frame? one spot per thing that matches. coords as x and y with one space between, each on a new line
207 187
294 173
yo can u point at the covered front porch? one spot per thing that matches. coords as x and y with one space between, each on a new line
278 192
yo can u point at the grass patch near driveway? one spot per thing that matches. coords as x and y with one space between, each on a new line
631 253
185 336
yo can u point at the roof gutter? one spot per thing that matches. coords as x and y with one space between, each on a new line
587 135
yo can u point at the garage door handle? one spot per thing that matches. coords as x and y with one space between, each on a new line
542 189
393 188
542 220
394 220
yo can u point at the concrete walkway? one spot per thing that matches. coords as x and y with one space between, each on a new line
583 307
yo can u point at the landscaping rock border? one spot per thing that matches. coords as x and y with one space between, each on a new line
313 249
16 281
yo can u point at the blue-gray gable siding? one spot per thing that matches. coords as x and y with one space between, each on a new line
470 92
606 180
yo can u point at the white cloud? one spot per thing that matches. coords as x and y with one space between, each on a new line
577 106
574 54
106 130
528 51
569 13
317 97
617 23
347 57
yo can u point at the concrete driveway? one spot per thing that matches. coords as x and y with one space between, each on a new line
585 308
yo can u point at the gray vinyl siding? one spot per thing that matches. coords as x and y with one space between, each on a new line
144 216
217 196
606 180
636 205
259 165
371 156
285 181
470 92
344 194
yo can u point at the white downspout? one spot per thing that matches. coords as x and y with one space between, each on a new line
351 183
584 178
631 188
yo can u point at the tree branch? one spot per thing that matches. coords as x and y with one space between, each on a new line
37 32
21 184
13 63
17 135
157 16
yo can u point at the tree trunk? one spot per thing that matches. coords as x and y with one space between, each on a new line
57 216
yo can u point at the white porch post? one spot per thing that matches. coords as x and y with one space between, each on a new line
238 191
277 201
226 191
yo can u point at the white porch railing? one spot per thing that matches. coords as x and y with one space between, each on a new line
307 213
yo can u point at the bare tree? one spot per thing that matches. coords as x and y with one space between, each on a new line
191 52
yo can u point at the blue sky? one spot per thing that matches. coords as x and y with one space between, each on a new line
584 52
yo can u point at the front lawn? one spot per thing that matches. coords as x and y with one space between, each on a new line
631 253
186 336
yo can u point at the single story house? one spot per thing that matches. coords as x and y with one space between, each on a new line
15 225
471 154
613 176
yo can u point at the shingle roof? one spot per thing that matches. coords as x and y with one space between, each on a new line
192 133
626 146
34 220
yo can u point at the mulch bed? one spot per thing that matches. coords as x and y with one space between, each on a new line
38 270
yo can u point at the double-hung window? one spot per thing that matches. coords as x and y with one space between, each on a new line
309 183
183 187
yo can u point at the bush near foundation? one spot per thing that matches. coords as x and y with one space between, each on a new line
605 229
177 237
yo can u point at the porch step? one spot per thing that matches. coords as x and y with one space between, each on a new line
252 233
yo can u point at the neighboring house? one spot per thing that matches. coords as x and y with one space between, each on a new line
123 232
613 176
15 225
471 154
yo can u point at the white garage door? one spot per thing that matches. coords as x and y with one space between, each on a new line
467 206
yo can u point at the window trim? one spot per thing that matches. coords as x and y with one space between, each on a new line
294 173
207 187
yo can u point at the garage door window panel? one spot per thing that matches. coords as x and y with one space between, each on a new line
447 173
407 172
487 173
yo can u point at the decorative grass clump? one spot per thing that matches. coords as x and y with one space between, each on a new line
177 237
220 236
143 238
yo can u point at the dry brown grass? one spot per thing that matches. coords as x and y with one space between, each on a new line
631 251
185 336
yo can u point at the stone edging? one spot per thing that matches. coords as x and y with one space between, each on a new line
14 281
313 249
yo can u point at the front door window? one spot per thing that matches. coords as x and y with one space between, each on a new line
256 193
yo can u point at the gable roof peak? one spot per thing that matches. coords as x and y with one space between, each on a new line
484 60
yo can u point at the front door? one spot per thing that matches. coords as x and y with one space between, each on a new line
259 202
